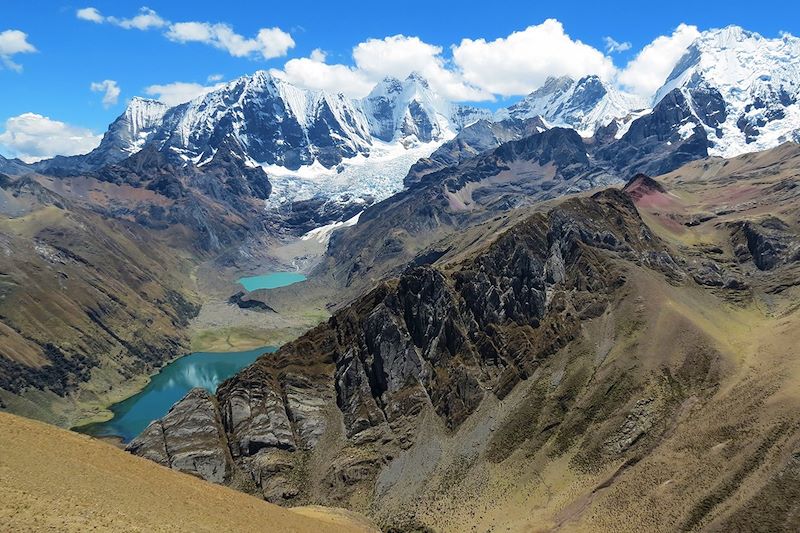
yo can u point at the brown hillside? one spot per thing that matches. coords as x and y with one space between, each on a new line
56 480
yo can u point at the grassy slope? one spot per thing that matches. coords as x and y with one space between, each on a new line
52 479
109 299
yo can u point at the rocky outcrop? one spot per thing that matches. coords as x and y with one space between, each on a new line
189 438
482 136
767 243
658 142
244 301
712 274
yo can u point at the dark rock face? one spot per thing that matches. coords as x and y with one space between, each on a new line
429 341
709 106
665 139
475 139
238 179
767 243
13 167
257 108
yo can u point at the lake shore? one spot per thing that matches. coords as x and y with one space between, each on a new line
200 369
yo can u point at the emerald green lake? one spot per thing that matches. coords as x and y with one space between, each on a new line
200 369
271 280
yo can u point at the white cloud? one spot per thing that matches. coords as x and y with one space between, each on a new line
214 77
318 54
91 14
400 55
313 73
146 19
521 62
14 42
32 137
374 59
614 46
472 70
651 66
268 43
179 91
184 32
110 91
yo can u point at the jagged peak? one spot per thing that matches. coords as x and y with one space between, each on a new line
553 84
141 100
586 104
592 80
416 77
727 36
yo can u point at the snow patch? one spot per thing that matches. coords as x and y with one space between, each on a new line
355 180
323 234
686 130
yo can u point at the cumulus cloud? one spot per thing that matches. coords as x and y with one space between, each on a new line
521 62
374 59
146 19
478 69
33 137
13 42
613 46
400 55
110 91
179 91
91 14
472 70
649 69
313 73
268 43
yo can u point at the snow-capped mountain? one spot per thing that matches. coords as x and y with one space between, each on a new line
732 92
125 136
129 132
742 87
309 143
271 120
583 105
273 123
410 112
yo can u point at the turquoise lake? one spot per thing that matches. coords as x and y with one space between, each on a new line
200 369
272 280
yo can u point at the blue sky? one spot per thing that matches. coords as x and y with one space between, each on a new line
72 53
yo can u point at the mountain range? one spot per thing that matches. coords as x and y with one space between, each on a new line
578 312
736 88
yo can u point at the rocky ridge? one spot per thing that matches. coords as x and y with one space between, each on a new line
462 384
431 341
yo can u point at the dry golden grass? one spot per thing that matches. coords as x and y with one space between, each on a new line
56 480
